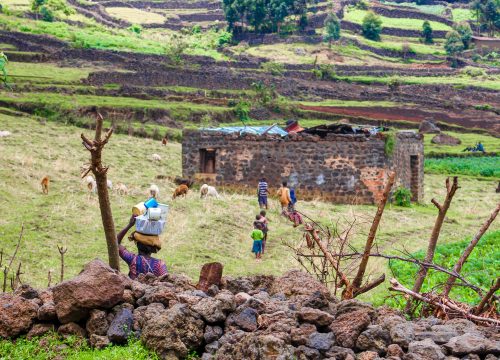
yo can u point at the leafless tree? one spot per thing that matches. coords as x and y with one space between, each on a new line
62 251
9 266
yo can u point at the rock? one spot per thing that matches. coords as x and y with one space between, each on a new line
210 309
440 334
321 341
246 319
256 347
97 286
27 292
426 349
394 350
207 356
47 312
428 127
348 326
306 353
300 52
143 314
162 293
227 301
210 274
317 300
367 355
121 327
98 341
16 315
128 296
213 290
174 332
212 347
138 289
402 334
212 333
297 282
374 338
72 328
340 353
240 298
314 316
490 357
472 344
471 357
97 323
444 139
40 330
300 335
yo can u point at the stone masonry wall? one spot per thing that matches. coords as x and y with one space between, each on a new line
339 168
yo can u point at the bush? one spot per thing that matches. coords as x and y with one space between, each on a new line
332 29
453 45
242 110
406 50
394 84
472 71
389 144
362 5
325 72
135 28
465 32
274 68
46 14
427 33
402 197
371 26
224 38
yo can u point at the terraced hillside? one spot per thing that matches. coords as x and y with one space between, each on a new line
155 67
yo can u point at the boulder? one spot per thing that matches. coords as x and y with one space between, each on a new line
26 292
440 334
297 282
300 336
367 355
426 349
444 139
428 127
121 327
210 310
240 298
98 341
256 347
72 329
97 323
174 332
317 300
210 274
470 343
162 293
212 333
16 315
143 314
340 353
306 353
47 312
321 341
395 351
402 334
374 338
349 325
314 316
244 319
97 286
40 330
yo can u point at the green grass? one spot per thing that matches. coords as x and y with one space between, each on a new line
356 16
348 103
461 14
46 72
67 216
491 143
480 269
487 166
429 9
52 346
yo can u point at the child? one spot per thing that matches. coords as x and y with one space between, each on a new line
257 236
262 193
265 229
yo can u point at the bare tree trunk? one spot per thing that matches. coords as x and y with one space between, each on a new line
431 248
62 251
463 258
487 297
95 147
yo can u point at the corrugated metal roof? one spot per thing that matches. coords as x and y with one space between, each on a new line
255 130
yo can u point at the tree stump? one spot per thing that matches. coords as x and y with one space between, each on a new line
210 274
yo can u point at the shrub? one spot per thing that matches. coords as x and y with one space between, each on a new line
46 14
274 68
362 5
465 32
389 144
371 26
427 33
332 29
224 38
394 84
325 72
402 197
472 71
135 28
453 45
242 110
406 51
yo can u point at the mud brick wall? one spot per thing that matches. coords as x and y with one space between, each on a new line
338 168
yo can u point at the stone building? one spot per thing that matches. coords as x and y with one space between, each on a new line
343 168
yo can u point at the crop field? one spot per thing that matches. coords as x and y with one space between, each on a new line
69 216
491 143
135 16
476 166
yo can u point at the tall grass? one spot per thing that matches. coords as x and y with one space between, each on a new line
475 166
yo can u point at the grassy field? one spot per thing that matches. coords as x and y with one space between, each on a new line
475 166
357 15
461 14
198 231
429 9
135 16
491 143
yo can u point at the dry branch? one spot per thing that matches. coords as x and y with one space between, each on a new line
486 299
62 250
463 258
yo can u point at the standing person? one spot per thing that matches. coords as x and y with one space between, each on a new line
265 229
284 196
257 236
293 199
142 263
262 193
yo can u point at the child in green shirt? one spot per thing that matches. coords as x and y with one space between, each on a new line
257 236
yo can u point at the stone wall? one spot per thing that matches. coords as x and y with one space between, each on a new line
339 168
408 13
438 34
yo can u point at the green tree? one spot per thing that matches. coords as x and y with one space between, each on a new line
465 32
372 26
332 29
453 45
427 33
3 64
47 14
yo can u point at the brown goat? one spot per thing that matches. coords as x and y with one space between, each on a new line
181 190
45 185
164 141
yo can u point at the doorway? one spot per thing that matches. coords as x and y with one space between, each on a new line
207 161
414 177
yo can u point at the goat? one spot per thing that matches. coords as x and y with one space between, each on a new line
156 157
154 191
121 189
164 141
109 184
4 133
181 190
208 191
45 185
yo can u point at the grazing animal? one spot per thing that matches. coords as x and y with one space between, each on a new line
109 184
208 191
181 190
91 184
164 141
121 189
4 133
154 191
156 157
45 185
180 181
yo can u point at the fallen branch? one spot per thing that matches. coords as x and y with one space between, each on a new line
445 307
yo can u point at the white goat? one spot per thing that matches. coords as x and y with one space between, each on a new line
156 157
121 189
208 191
4 133
154 191
92 184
